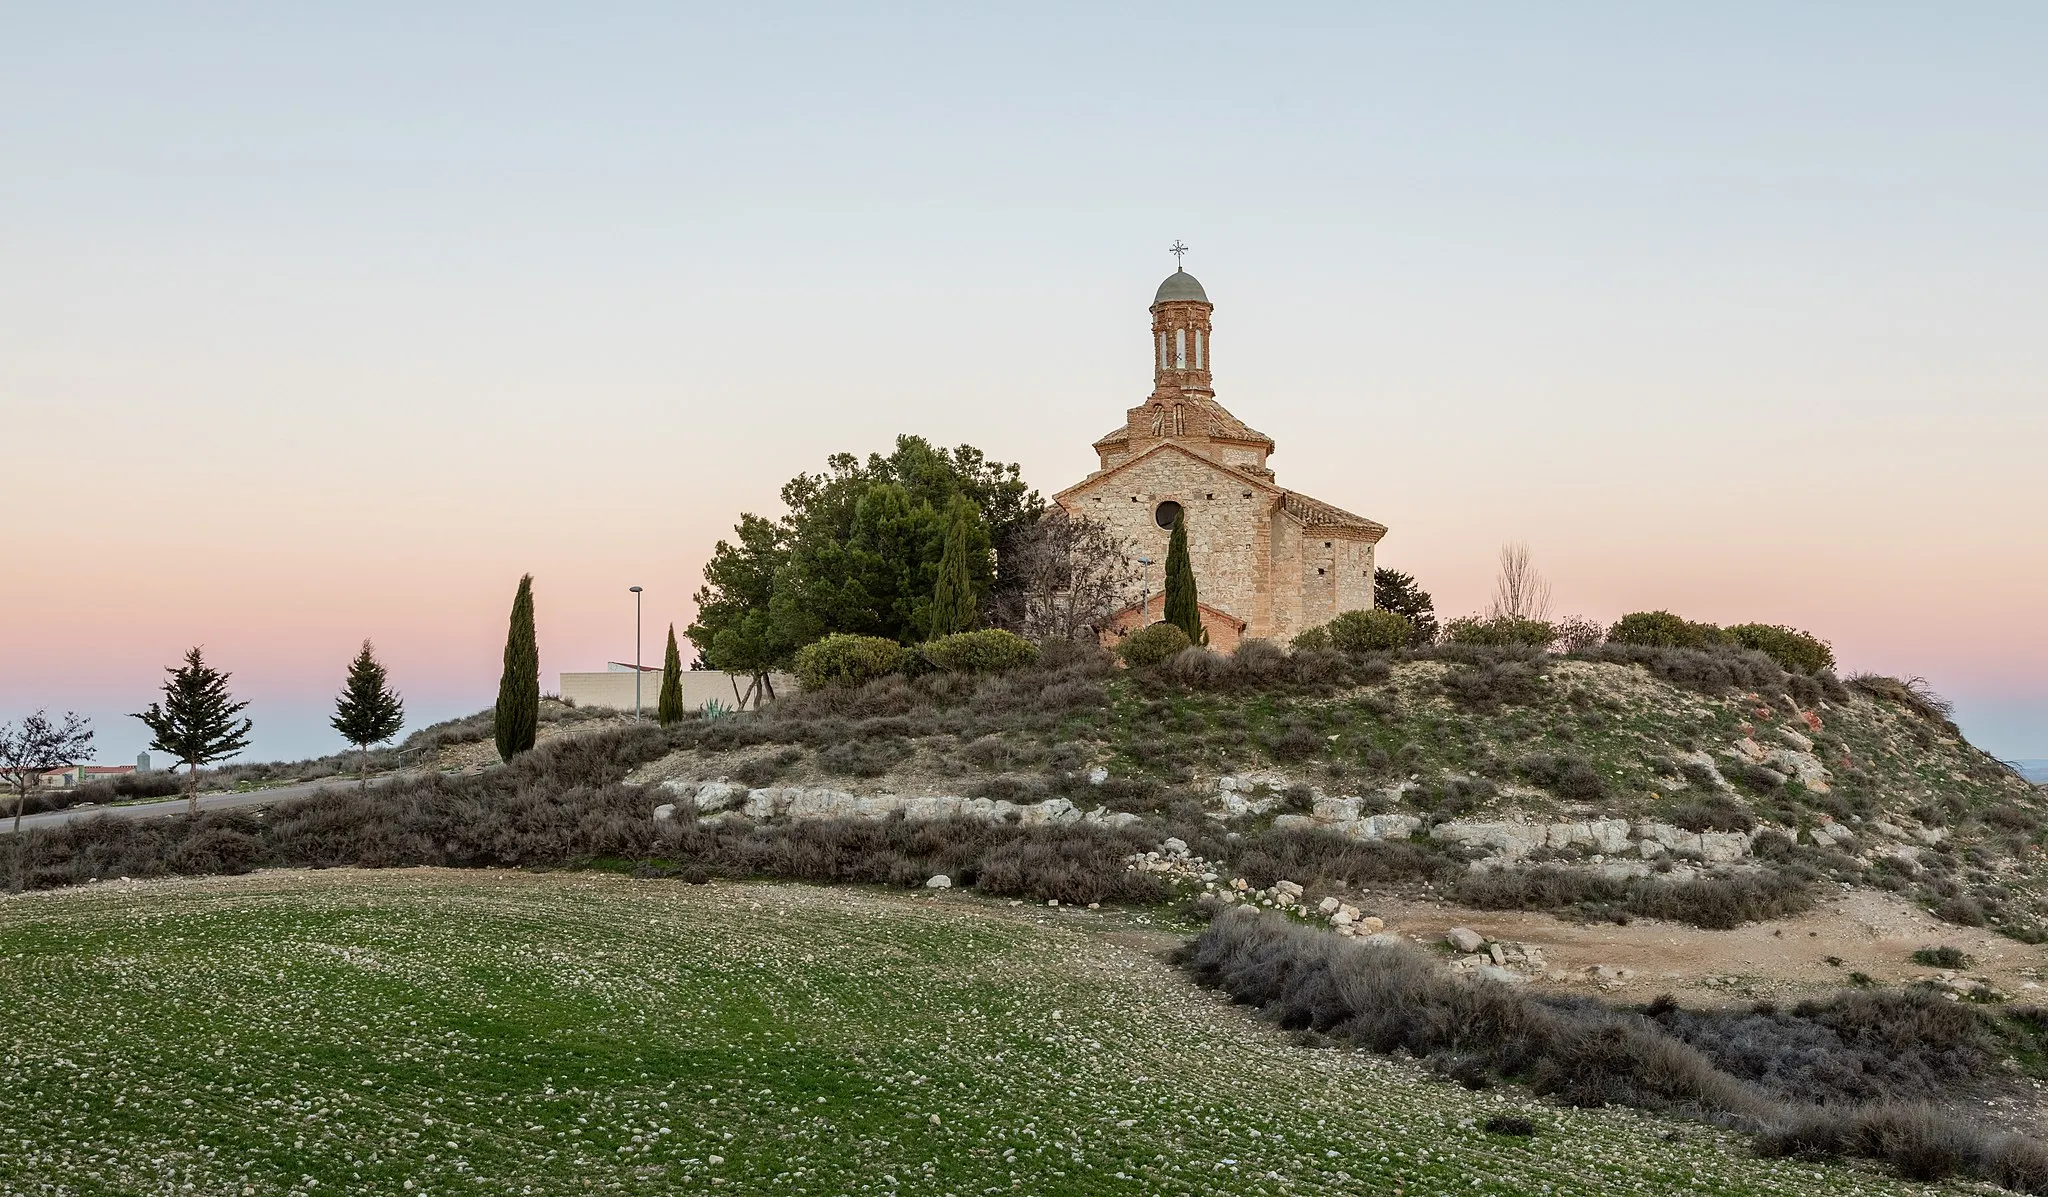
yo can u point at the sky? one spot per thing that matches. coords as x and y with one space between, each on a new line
325 324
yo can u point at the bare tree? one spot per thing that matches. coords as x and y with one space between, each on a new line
1070 577
38 746
1520 592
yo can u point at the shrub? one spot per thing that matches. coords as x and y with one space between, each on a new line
1393 999
1369 631
1501 631
1576 635
842 659
1789 647
1315 640
1662 629
989 651
1484 687
1152 645
1941 957
1572 778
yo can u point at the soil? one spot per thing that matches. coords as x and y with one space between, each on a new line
1869 931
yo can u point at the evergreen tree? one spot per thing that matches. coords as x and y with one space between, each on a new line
669 707
516 720
368 711
195 723
953 596
1395 591
1182 610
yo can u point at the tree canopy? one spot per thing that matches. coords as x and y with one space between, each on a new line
367 711
1395 591
198 721
858 552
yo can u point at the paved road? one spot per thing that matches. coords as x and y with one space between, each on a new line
176 806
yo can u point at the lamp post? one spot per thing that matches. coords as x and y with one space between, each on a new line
636 651
1145 592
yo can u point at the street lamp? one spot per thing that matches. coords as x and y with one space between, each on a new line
1145 592
636 650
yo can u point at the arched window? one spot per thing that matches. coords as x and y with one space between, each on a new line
1166 513
1180 348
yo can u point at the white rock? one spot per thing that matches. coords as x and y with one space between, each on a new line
765 803
1052 810
1494 972
679 787
1723 847
1121 819
1372 923
1293 823
1706 761
1337 810
1097 775
1289 888
1328 906
1465 939
1384 827
1610 836
664 812
718 795
1175 846
940 881
803 803
1801 765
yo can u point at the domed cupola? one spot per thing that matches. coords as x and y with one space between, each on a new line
1181 285
1180 334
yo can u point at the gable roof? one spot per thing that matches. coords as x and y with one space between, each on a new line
1235 475
1314 513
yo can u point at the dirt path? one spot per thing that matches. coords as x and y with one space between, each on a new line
1868 931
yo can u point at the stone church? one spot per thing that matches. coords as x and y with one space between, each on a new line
1269 562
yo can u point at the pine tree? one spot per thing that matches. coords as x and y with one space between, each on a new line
516 720
196 721
1182 610
953 596
669 707
368 711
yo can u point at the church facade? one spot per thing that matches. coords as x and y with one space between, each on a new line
1269 562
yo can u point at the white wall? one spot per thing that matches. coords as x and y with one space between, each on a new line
615 689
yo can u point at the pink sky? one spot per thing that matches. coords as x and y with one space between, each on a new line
315 328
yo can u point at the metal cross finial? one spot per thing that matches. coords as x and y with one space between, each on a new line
1176 249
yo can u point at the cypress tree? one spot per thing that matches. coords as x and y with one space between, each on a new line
953 597
669 707
517 718
1181 609
196 721
367 712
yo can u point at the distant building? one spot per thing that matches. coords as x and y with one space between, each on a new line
78 775
614 688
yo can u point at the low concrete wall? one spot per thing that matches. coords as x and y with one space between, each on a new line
615 689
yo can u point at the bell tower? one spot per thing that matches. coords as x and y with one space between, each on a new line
1180 335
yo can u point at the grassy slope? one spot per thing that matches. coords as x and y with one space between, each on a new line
510 1033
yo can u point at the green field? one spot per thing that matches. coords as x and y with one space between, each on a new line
440 1032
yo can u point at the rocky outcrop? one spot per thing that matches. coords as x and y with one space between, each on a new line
799 803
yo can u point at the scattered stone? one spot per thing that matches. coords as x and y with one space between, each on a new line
939 881
664 812
1097 775
1465 939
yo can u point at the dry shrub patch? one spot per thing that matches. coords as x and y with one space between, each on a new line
1394 999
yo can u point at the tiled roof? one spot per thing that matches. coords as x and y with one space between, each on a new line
1314 513
1221 422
